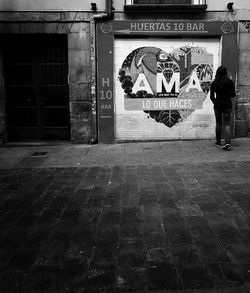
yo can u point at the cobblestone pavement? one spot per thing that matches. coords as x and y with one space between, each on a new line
149 224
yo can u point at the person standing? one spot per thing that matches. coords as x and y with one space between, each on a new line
221 91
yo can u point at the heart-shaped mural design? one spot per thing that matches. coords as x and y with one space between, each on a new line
154 76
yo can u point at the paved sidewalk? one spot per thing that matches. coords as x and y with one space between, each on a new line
136 217
169 152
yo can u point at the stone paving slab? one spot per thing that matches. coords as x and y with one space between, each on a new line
164 227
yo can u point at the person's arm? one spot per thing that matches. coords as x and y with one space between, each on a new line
233 95
212 94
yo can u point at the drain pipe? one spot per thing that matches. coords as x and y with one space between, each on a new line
93 57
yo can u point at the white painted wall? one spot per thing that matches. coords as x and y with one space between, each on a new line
222 4
84 5
40 5
212 4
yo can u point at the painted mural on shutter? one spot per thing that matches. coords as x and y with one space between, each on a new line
162 88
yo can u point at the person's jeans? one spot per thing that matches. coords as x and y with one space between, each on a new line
223 117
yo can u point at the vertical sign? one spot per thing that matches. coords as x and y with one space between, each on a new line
105 84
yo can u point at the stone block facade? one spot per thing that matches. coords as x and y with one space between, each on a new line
242 122
83 67
2 101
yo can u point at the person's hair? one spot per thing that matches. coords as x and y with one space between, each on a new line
221 74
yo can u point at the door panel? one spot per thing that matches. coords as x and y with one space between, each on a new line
23 96
20 74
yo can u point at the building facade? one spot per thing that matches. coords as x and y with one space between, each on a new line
126 70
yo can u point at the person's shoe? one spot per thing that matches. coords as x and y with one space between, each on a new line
217 144
226 147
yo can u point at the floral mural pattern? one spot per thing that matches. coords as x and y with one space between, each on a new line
183 75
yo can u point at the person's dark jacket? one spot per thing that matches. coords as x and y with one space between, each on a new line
224 90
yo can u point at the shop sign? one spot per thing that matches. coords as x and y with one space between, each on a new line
168 27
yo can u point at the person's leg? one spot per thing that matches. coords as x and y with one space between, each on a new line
218 127
227 125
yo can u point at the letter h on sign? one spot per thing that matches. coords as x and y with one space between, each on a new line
105 82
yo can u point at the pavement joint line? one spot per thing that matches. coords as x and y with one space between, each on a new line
39 154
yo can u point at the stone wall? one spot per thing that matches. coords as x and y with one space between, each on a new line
79 82
243 82
242 114
2 102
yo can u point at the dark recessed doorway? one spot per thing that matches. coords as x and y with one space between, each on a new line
37 99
